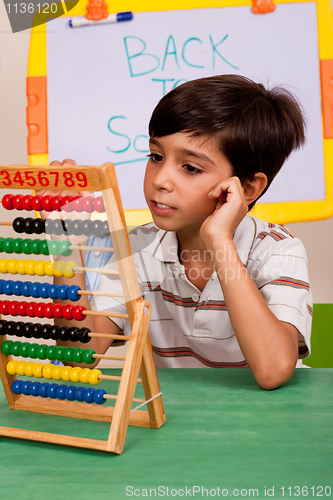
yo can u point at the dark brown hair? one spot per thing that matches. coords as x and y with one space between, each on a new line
256 129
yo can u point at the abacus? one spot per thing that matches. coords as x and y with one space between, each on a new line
63 399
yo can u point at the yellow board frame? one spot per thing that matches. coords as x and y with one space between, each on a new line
280 213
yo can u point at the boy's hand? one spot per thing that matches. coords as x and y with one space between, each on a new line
230 210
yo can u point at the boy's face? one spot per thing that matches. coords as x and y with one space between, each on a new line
180 173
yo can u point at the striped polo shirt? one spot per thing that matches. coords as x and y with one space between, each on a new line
192 329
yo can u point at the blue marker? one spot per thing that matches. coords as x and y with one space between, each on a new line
76 22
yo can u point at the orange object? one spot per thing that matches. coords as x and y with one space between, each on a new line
326 70
37 115
97 10
263 6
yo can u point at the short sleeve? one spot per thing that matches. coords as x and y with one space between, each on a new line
280 272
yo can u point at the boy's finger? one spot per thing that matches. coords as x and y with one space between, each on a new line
68 162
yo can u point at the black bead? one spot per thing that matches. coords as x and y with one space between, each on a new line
77 227
27 225
97 227
53 331
83 335
27 330
87 227
37 226
73 333
68 223
57 227
49 224
105 228
2 326
45 331
36 331
62 333
9 328
18 329
18 224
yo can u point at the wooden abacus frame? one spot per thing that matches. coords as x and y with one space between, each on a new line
139 357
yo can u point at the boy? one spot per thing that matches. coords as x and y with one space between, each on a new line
227 289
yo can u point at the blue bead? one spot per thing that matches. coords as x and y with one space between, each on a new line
70 392
7 287
98 396
89 395
34 388
43 290
17 288
53 291
16 387
25 288
1 285
61 391
79 393
25 387
52 390
62 292
72 293
33 289
42 389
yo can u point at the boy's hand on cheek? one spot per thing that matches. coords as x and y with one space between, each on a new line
231 208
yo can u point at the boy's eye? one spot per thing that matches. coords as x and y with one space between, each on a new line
192 170
155 157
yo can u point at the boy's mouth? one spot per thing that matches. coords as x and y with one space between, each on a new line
161 208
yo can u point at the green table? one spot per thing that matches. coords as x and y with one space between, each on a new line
223 437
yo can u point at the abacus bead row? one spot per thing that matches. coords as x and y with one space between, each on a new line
55 372
50 203
36 247
37 267
70 392
40 290
38 331
58 226
42 310
43 351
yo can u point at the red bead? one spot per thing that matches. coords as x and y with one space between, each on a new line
66 204
57 310
16 201
46 203
12 307
99 204
67 312
22 308
39 306
48 310
87 204
30 309
36 202
77 204
56 202
26 202
77 313
4 306
7 202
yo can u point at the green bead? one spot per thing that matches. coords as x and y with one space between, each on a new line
63 248
6 347
68 354
59 353
26 246
8 245
44 247
33 350
49 352
15 348
24 349
35 247
53 247
1 244
87 356
17 245
77 355
41 352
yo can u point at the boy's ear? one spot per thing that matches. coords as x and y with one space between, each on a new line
254 188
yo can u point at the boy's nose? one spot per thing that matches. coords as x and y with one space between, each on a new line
163 178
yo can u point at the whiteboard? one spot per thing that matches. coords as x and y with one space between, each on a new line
104 82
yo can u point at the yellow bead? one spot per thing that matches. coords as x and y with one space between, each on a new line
12 266
68 269
29 369
20 368
38 370
48 268
57 268
39 267
3 266
93 376
30 267
56 372
65 373
11 367
47 371
84 375
21 266
74 374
